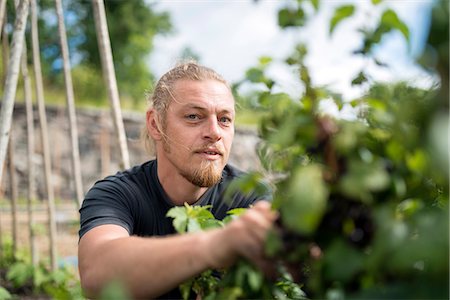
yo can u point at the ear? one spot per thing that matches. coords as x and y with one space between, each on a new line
153 124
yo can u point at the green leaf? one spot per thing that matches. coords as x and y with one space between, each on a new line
193 226
230 293
250 183
376 2
377 104
4 294
342 262
264 61
303 207
340 14
255 280
395 150
417 161
255 75
273 244
359 79
19 273
176 212
210 223
315 4
180 219
399 186
185 288
348 136
362 179
200 218
291 17
409 207
236 211
391 20
39 277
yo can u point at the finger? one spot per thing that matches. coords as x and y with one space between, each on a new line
257 224
251 247
262 204
265 208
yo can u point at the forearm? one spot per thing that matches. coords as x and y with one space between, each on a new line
152 266
148 267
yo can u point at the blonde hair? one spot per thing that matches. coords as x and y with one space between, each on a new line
163 92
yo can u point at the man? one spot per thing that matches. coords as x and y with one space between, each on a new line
125 234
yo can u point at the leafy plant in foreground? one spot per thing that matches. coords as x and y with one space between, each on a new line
363 203
240 281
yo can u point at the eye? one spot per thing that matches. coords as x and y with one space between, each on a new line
225 121
192 117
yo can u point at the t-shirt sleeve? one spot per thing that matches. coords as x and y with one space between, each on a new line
107 202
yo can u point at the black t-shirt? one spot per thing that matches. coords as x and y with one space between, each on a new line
135 200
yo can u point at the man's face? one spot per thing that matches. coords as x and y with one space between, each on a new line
199 130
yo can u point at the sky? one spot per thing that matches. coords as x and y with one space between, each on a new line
229 36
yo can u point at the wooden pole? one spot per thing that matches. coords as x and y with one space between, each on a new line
12 78
30 153
44 134
76 169
5 50
13 195
109 75
31 191
5 55
2 13
105 157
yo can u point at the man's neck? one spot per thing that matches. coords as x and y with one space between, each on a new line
178 188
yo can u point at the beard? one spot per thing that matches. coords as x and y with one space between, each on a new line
207 174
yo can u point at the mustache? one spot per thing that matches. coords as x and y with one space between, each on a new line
210 147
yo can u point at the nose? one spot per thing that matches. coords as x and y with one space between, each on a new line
212 130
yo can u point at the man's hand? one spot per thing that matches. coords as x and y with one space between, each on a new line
244 237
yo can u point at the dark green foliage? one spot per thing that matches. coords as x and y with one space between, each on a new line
363 203
365 193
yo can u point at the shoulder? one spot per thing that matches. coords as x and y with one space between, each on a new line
123 183
134 172
116 199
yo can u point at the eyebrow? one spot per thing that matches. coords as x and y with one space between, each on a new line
202 108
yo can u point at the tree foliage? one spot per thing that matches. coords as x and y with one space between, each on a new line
132 26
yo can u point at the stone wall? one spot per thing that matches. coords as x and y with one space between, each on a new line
99 151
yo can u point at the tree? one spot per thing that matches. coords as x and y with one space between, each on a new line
132 27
